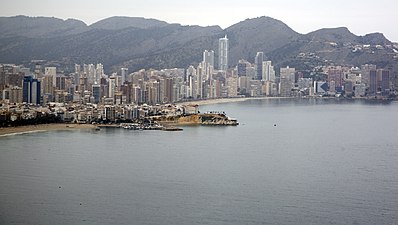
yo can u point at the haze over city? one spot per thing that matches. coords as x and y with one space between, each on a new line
361 17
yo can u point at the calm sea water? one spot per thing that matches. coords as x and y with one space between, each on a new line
288 162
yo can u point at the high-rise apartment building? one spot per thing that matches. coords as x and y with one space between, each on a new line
258 61
381 83
223 53
168 90
31 90
365 73
60 83
208 64
92 74
232 84
96 91
208 57
268 71
124 74
335 76
191 80
242 67
384 81
287 81
112 85
199 81
99 72
51 71
372 82
16 95
77 68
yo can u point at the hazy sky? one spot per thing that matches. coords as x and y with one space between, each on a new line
304 16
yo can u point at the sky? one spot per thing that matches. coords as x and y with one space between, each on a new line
361 17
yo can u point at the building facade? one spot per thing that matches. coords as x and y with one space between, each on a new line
31 90
223 53
258 61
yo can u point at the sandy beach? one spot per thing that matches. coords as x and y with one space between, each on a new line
4 131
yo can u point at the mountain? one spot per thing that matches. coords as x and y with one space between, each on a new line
139 43
375 39
336 46
39 27
260 34
336 35
131 42
122 22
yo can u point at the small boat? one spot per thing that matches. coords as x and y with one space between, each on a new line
172 129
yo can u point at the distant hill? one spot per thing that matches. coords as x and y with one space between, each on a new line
139 43
39 27
260 34
336 46
337 35
375 39
121 22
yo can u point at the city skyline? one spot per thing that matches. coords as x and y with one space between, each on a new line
304 16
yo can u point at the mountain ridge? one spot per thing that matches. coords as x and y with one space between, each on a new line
121 22
140 43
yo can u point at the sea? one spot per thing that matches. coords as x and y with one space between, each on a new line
290 161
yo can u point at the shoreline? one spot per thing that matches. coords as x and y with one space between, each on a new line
242 99
225 100
9 131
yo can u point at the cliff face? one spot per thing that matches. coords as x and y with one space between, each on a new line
217 119
184 120
197 119
191 119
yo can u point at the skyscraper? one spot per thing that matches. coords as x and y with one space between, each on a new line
208 64
365 72
287 81
258 61
268 71
31 90
112 86
223 53
372 82
51 71
48 87
336 75
77 68
208 57
91 74
191 81
124 74
60 83
96 90
242 64
384 77
168 89
199 82
232 84
99 72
